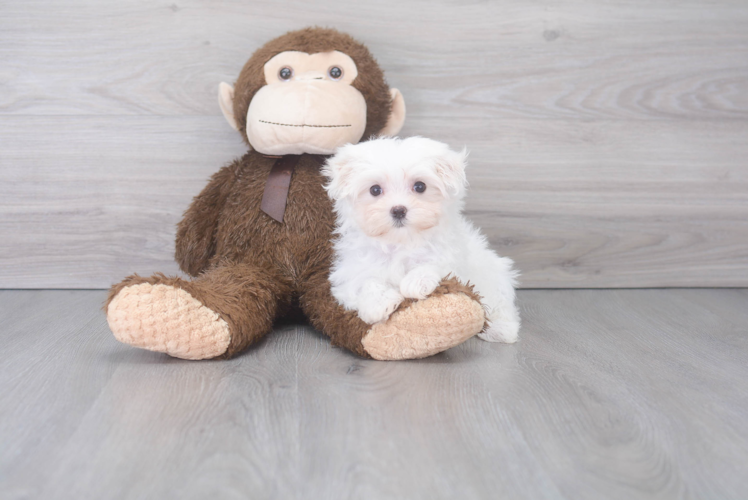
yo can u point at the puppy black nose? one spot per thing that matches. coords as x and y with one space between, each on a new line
398 212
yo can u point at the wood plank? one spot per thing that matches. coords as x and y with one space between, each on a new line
593 204
73 427
621 59
92 199
609 393
609 401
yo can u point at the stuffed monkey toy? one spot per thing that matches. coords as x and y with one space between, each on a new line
257 239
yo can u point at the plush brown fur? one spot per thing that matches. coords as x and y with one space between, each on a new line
250 269
244 296
370 80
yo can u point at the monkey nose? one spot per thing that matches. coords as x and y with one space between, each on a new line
398 212
311 75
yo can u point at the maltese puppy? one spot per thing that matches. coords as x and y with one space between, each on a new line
400 230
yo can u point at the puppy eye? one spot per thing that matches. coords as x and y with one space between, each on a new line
335 73
285 73
375 190
419 187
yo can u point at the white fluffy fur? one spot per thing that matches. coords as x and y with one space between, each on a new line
379 261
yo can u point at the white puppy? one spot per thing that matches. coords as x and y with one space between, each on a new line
401 230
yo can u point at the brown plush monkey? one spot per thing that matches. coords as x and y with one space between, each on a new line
257 239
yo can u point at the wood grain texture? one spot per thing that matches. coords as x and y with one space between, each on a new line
607 141
95 208
609 394
623 59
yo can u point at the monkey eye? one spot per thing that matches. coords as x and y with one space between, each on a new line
335 73
419 187
285 73
375 190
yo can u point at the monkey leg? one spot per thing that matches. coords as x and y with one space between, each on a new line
448 317
218 314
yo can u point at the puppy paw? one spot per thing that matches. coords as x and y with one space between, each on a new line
506 331
376 303
419 283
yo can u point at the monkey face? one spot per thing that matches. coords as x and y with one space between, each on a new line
307 105
311 91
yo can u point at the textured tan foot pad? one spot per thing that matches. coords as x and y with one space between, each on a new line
425 328
167 319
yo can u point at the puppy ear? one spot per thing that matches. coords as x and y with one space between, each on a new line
338 170
450 167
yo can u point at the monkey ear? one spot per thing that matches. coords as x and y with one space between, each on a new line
397 115
226 102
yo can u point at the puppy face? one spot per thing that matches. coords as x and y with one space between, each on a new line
394 189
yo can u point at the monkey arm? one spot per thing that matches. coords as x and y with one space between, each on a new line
195 243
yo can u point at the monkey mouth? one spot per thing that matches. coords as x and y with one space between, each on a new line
304 125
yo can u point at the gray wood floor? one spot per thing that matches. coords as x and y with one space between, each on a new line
609 394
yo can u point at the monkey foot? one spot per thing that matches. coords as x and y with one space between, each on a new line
426 327
167 319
